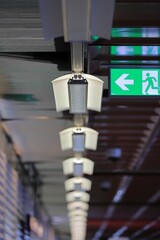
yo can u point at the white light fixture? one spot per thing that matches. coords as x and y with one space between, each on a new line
77 205
78 141
77 219
77 195
78 229
61 95
78 166
77 137
78 89
78 235
77 212
94 92
78 184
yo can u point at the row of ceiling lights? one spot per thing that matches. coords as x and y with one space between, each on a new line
78 93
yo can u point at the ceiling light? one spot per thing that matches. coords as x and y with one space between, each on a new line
79 231
76 137
77 196
78 228
78 166
77 212
77 205
114 154
78 88
78 225
66 99
77 220
122 106
78 141
78 235
105 185
60 90
78 184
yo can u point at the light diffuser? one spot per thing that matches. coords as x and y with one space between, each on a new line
77 212
86 166
94 92
78 184
77 195
66 138
77 205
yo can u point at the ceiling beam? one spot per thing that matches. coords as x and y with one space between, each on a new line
129 41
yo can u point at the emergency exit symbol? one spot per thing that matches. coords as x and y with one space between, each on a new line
150 84
135 81
123 80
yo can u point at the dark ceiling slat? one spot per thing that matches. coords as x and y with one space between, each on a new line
124 126
127 41
124 204
128 173
122 119
139 103
135 23
107 58
138 1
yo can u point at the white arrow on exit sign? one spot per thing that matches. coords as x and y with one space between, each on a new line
122 82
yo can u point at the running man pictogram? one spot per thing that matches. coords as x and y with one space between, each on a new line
151 81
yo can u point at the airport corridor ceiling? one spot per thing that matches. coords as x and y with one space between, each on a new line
125 195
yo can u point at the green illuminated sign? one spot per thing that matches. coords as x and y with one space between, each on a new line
136 32
135 50
134 82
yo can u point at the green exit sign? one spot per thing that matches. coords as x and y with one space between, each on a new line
134 82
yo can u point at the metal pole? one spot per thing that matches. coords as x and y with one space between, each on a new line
77 57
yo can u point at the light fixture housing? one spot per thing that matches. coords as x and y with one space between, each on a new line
77 212
78 166
114 154
77 196
77 205
78 228
78 138
77 219
78 184
93 92
78 88
78 141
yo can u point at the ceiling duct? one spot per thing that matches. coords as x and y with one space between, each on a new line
77 20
